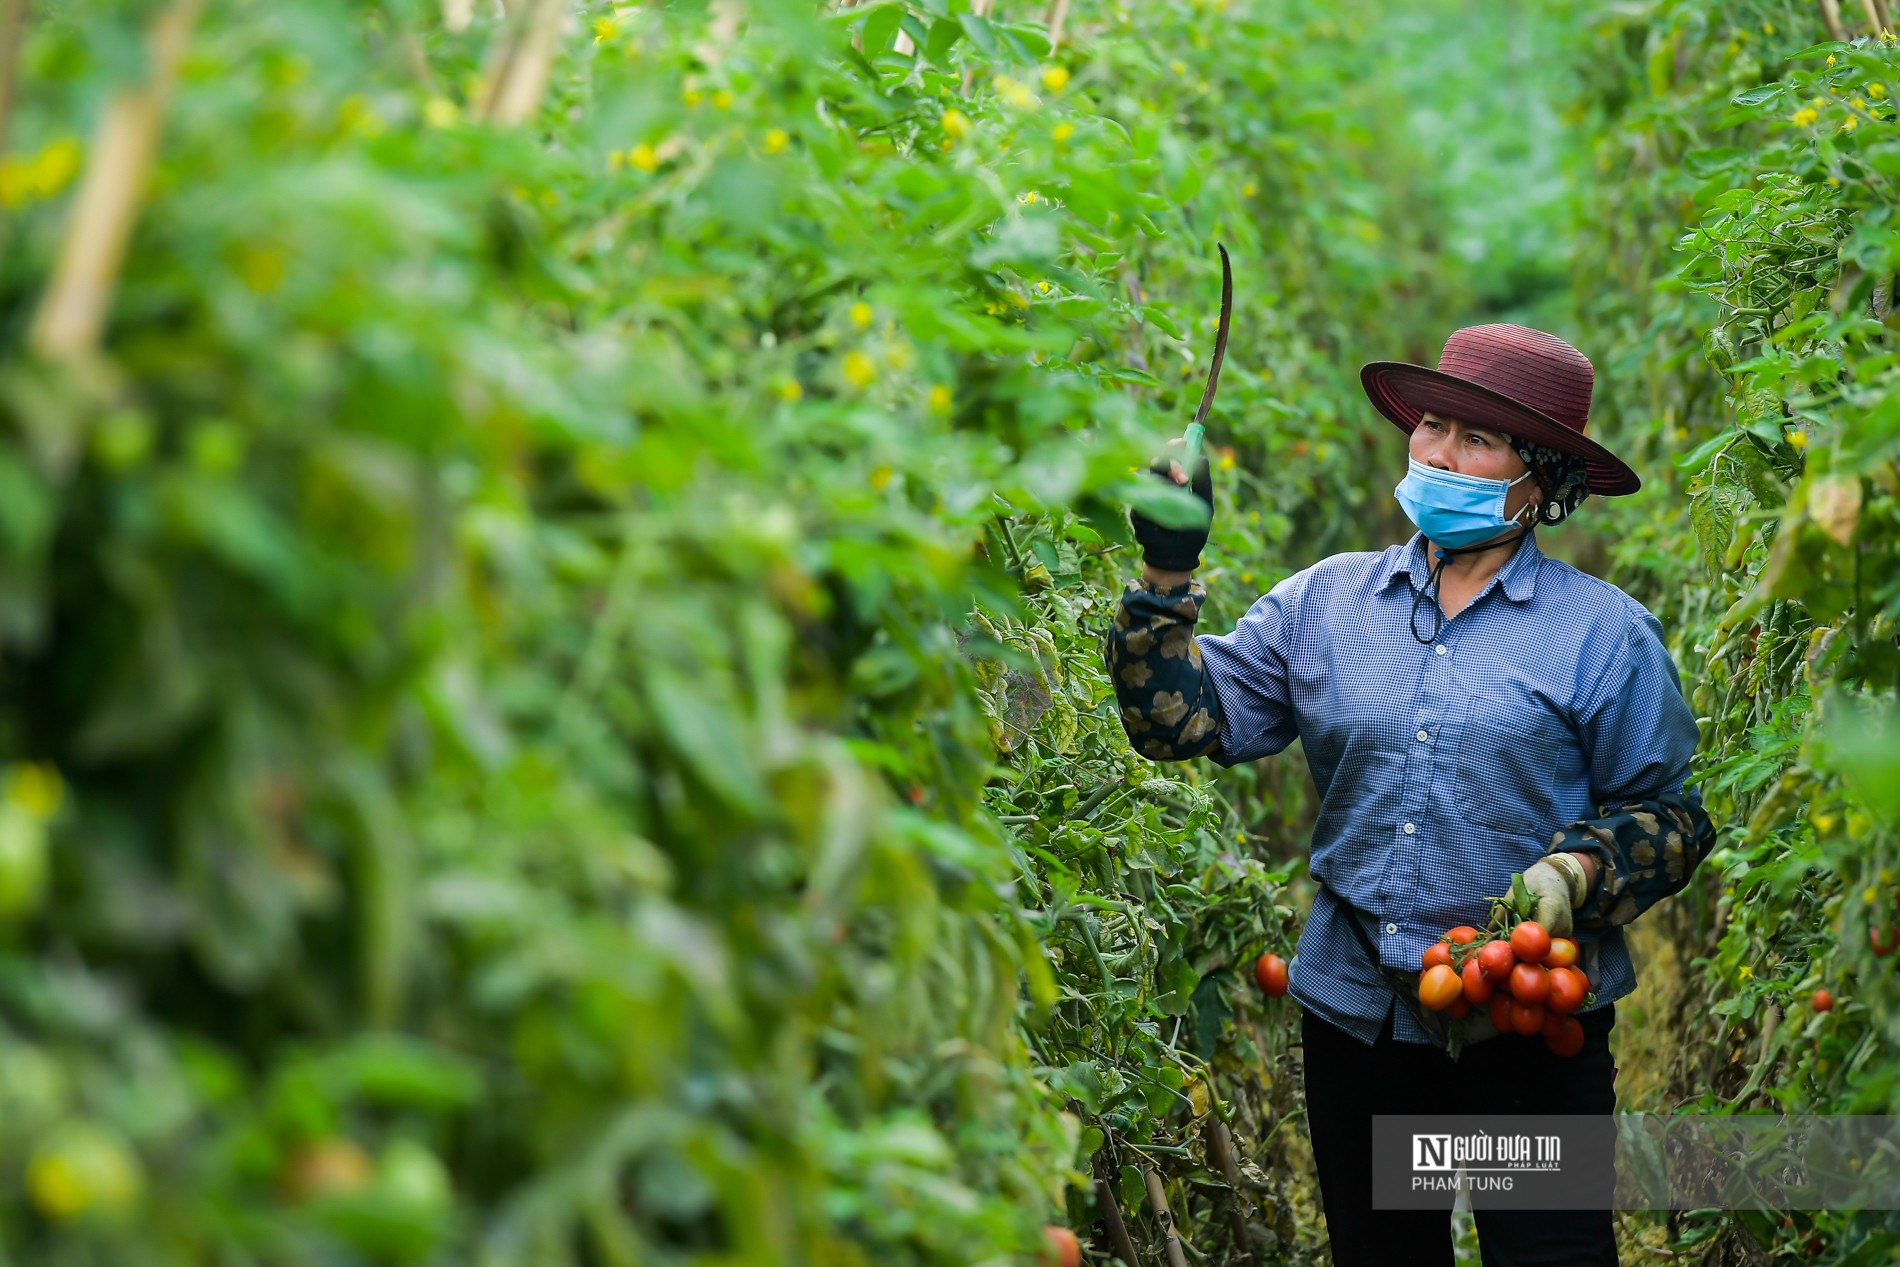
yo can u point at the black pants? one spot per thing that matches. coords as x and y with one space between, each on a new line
1348 1083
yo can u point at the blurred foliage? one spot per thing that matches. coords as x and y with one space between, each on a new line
548 659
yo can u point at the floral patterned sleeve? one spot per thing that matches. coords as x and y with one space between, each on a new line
1168 705
1644 850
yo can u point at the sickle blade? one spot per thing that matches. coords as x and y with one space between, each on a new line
1220 337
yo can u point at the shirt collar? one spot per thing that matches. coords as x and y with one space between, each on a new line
1517 578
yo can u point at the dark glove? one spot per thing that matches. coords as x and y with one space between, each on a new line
1175 549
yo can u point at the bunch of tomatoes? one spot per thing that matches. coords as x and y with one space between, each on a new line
1527 978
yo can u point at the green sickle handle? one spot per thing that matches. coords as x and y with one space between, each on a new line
1197 430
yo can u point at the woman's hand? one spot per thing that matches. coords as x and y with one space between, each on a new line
1560 884
1170 555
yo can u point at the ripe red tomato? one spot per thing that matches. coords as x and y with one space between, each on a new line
1883 946
1270 971
1497 960
1563 1035
1527 1018
1821 1001
1563 953
1459 1009
1478 987
1436 953
1530 983
1530 942
1501 1013
1568 987
1064 1249
1439 986
1463 935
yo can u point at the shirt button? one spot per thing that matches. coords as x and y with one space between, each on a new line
1441 649
1410 828
1391 929
1422 736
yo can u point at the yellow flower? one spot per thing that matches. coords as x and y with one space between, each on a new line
1055 78
1876 91
1063 131
644 157
24 180
1734 47
357 115
36 789
956 124
880 478
440 112
1768 28
1246 578
1848 126
776 140
1869 895
1748 970
1834 182
1042 288
861 315
939 399
1798 440
859 370
899 356
692 96
722 100
1249 189
1020 301
1226 462
1820 101
1830 59
1178 66
605 29
1803 117
1857 103
1822 823
1031 196
790 390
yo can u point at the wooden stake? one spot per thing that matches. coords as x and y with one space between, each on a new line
1886 18
12 36
1058 16
1873 17
72 313
1831 14
512 92
1121 1242
1220 1150
1158 1202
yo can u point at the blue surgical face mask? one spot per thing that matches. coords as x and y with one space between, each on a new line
1454 510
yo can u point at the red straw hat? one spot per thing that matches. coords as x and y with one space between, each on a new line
1522 382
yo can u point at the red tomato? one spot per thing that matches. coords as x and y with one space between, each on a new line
1478 987
1439 986
1530 983
1436 953
1883 946
1463 935
1459 1009
1530 942
1497 960
1063 1249
1527 1018
1821 1001
1563 953
1270 971
1501 1013
1563 1035
1568 986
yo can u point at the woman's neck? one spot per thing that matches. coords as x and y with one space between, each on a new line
1477 564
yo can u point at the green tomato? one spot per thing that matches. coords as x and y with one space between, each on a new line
22 863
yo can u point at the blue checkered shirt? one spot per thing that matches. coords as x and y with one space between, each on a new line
1443 769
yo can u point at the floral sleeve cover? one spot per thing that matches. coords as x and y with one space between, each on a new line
1645 851
1168 706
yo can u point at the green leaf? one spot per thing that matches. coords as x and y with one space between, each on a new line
980 32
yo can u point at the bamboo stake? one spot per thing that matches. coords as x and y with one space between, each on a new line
1122 1243
72 313
1886 18
1873 17
512 93
1058 17
1220 1147
1831 14
12 36
1158 1202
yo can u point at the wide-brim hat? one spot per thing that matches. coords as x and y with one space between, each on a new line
1506 378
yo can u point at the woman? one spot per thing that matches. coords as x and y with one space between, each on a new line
1529 721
